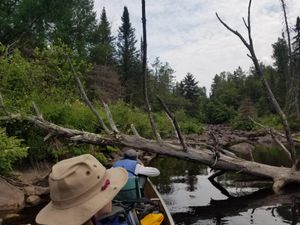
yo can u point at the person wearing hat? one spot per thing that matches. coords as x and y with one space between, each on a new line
81 190
134 168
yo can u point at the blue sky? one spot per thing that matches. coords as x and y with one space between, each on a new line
188 35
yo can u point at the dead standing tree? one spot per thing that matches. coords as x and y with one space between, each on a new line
259 71
145 73
292 101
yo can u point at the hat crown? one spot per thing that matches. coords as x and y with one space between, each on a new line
131 154
70 179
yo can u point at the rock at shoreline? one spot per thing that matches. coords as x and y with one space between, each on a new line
33 200
11 198
243 149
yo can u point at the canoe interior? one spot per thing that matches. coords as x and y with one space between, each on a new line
151 193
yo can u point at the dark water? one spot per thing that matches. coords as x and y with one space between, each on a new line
192 199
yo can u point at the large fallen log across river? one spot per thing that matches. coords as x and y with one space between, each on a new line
280 175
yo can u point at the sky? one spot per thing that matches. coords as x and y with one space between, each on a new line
188 36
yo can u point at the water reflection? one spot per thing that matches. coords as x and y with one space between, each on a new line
192 199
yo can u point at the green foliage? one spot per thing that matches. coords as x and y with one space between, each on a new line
270 121
228 88
246 112
47 77
242 124
189 87
38 23
58 78
217 112
103 47
124 115
11 150
294 123
161 80
296 40
18 79
187 124
74 115
129 62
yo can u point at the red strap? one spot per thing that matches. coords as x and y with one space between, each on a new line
106 184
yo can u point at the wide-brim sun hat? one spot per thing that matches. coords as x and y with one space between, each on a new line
79 188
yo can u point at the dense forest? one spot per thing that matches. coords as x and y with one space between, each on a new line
42 41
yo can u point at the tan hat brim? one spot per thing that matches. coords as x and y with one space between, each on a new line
77 215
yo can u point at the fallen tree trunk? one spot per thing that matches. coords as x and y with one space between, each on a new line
280 175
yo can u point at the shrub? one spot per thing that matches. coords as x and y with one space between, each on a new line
270 121
242 124
246 111
73 115
294 123
11 150
217 112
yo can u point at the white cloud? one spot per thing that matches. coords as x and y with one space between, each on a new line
188 35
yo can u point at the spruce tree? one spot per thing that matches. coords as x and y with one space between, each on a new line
191 90
103 51
296 40
129 62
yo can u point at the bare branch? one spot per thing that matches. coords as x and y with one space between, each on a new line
174 129
217 148
245 23
135 132
250 57
36 110
280 144
174 121
249 24
233 31
48 136
217 185
110 118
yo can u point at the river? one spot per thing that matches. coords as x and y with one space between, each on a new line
192 199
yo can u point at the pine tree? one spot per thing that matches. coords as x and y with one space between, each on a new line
190 88
296 40
103 51
129 62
